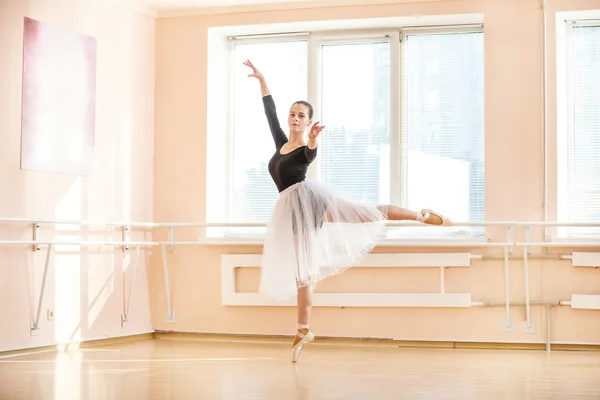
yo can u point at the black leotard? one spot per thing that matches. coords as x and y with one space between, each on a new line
286 169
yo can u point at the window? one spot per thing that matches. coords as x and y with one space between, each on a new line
443 124
355 107
253 193
579 188
404 120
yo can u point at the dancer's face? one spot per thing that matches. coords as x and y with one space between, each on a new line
298 118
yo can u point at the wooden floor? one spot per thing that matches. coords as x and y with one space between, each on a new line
187 368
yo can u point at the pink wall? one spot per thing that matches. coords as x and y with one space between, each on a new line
162 177
85 286
513 124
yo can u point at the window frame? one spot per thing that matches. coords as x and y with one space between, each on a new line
315 88
315 40
233 40
565 131
401 192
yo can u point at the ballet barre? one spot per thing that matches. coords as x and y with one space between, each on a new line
230 262
126 226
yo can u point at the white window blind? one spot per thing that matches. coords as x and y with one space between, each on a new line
439 143
355 107
583 139
284 65
442 143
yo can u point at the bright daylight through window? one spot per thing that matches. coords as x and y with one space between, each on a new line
421 148
579 181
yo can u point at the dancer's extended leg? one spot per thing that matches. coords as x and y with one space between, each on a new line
361 214
303 335
425 216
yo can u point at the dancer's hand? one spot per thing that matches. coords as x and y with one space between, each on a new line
315 130
255 72
264 89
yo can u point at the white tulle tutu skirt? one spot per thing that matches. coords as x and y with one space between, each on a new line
315 232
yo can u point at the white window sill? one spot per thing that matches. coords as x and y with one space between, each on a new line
570 240
404 238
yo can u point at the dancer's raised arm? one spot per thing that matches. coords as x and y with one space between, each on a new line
264 89
279 136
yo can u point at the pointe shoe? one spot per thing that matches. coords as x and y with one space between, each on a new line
303 336
430 217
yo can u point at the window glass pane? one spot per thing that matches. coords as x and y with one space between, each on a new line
284 65
355 107
443 124
583 162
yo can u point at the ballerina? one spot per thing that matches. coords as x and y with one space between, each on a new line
315 231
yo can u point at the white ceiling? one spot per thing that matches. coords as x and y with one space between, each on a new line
164 5
177 8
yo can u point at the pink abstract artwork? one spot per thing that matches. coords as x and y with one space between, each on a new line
59 100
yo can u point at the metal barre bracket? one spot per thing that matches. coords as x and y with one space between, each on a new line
36 230
125 315
35 324
125 237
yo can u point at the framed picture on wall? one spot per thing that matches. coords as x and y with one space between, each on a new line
59 100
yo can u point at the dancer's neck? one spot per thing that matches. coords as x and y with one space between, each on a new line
296 139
